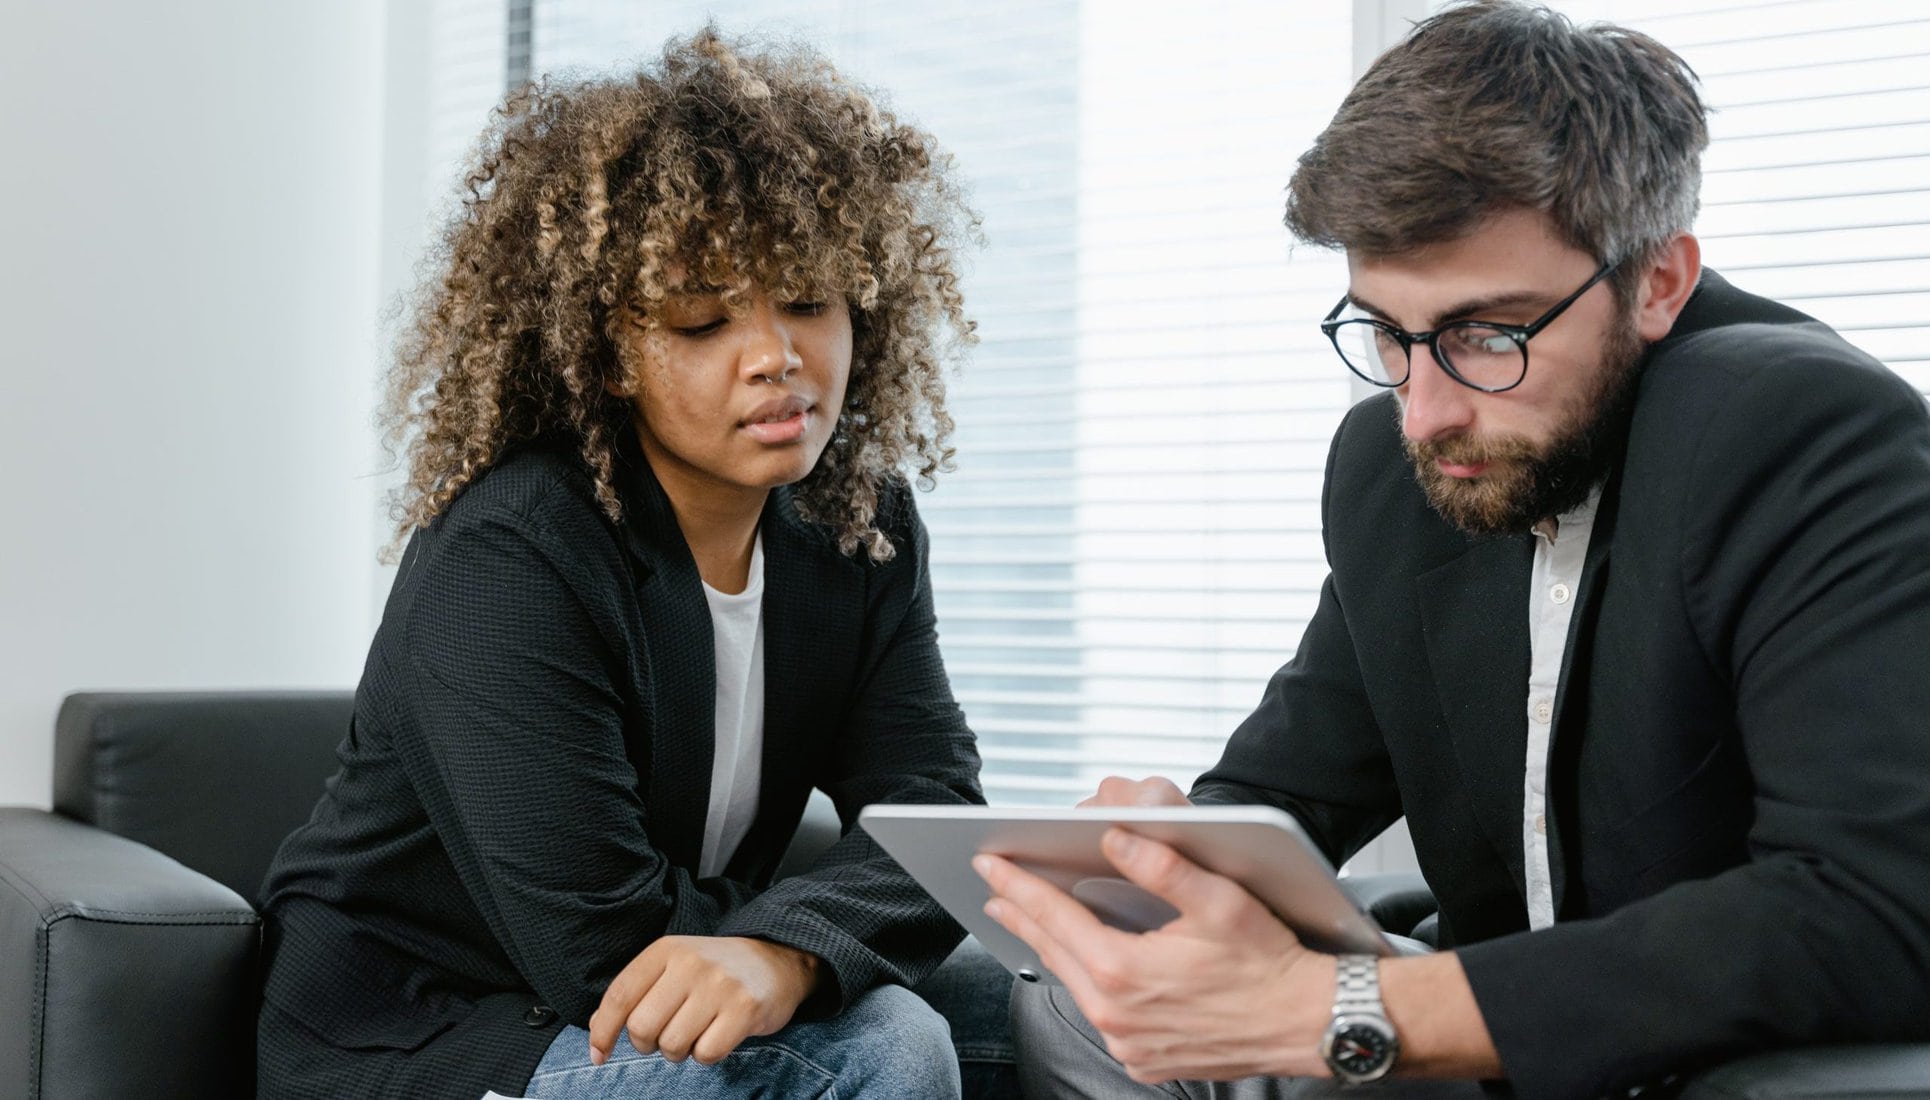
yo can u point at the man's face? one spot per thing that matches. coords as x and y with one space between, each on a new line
1501 462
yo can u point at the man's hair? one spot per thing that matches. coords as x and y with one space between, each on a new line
591 202
1498 104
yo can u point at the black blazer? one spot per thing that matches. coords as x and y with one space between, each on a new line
1739 784
521 801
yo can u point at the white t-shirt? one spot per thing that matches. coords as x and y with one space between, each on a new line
737 767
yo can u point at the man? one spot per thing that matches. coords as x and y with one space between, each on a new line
1629 615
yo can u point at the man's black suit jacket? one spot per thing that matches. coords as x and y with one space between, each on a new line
520 807
1739 782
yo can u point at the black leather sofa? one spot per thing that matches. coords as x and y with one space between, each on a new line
128 946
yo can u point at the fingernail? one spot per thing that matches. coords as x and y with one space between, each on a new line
598 1057
1123 843
982 864
993 909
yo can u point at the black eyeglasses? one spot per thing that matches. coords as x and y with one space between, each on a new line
1482 355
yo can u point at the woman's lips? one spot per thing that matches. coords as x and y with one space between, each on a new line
788 430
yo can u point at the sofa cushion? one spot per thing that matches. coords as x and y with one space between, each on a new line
213 779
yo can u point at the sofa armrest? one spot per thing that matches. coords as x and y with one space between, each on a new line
122 973
1820 1073
1397 900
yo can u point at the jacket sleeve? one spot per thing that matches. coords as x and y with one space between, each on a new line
1314 714
1805 573
512 735
905 741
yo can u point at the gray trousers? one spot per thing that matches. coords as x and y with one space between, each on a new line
1060 1055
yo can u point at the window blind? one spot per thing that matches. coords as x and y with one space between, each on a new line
1130 544
467 63
1816 185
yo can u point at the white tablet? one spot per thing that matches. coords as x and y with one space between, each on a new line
1260 847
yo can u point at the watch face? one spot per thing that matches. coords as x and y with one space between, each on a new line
1360 1049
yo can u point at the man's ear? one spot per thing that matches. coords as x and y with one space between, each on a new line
1666 285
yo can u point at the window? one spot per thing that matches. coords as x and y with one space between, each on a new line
1130 545
1816 185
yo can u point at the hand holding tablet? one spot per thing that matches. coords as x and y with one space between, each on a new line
1260 847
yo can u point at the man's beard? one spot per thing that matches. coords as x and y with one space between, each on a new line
1524 483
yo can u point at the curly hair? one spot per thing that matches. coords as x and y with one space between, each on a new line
592 201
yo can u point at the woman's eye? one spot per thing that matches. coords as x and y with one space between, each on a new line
806 309
704 329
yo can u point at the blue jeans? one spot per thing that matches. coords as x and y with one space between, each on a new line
889 1044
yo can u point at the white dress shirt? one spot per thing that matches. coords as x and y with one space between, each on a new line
1561 546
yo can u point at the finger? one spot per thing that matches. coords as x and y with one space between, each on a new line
693 1018
1107 793
1159 791
655 1011
1117 790
726 1032
1052 909
1161 870
1049 915
1063 963
619 1000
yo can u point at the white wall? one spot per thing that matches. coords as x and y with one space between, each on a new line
189 286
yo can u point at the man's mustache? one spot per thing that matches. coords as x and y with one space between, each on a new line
1469 450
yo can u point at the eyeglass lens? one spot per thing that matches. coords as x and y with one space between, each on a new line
1481 355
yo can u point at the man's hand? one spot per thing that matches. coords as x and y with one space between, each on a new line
700 996
1223 991
1116 790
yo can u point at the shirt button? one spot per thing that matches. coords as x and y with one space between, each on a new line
539 1016
1559 593
1541 824
1543 710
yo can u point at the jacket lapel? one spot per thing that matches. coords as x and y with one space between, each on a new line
1474 616
678 650
1571 719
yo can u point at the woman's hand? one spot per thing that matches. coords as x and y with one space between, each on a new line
700 996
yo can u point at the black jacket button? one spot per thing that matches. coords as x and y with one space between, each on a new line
540 1016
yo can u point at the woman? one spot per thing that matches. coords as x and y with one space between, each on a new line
663 577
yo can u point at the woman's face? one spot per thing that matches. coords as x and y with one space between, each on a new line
735 404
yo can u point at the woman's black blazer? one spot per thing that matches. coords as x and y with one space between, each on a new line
521 799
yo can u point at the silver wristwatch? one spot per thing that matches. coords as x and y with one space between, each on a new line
1360 1044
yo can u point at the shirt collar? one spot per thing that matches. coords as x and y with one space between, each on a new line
1579 517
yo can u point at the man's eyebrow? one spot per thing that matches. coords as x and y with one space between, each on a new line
1463 310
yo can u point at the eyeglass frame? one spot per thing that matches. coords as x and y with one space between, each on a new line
1331 324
